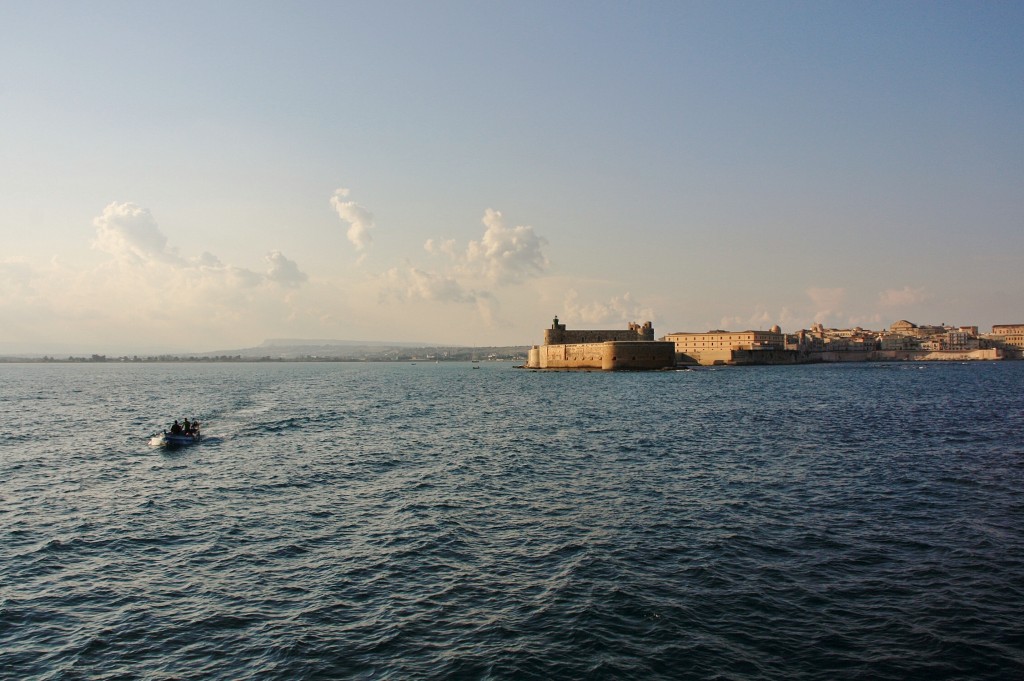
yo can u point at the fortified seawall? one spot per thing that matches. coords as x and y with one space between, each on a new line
988 354
606 356
763 357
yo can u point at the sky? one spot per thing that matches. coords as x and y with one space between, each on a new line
196 176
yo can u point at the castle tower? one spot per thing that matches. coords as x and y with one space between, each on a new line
556 334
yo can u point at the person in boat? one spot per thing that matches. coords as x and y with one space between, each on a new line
176 428
187 427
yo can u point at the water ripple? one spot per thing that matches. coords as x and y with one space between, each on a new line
429 521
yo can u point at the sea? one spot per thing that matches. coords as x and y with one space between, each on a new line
480 521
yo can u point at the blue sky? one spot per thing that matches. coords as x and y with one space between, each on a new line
197 176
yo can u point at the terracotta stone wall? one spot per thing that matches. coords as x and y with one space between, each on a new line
609 355
636 355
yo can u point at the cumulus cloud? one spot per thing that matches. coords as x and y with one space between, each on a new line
208 260
129 232
506 255
617 310
284 271
431 286
446 247
141 293
415 284
502 256
416 287
902 297
360 220
234 277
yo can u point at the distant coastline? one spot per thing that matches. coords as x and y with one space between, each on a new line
562 348
340 353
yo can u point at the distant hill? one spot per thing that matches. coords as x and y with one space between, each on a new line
287 349
304 342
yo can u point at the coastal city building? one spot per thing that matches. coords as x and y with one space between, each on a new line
725 347
903 340
1010 336
635 347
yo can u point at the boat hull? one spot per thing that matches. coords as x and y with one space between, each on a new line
168 440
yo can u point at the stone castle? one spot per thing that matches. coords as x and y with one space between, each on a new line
633 348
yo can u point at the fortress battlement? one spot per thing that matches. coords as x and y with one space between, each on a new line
559 335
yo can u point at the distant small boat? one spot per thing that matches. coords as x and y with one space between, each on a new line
176 439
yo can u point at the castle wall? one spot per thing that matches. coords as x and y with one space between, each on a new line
709 357
567 356
553 337
756 357
608 356
637 355
719 356
559 335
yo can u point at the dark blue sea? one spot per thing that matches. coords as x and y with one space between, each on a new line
476 521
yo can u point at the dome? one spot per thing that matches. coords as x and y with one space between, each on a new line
776 329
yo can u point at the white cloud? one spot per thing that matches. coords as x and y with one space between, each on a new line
133 237
446 247
506 255
431 286
144 292
209 260
428 296
138 292
619 310
234 277
360 220
413 283
284 271
473 275
129 232
502 256
902 297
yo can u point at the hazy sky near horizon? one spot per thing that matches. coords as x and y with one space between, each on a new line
197 176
